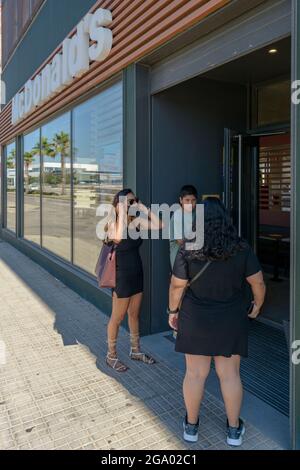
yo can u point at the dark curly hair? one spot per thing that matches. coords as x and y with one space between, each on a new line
221 240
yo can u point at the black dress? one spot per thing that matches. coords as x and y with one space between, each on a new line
213 319
129 268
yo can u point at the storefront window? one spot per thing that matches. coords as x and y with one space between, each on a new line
11 186
32 187
56 188
97 176
97 167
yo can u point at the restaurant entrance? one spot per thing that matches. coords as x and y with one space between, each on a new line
227 131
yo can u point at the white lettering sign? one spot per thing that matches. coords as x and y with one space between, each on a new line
72 62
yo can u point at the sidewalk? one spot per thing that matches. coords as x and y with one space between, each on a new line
56 391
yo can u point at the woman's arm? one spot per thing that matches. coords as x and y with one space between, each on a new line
258 287
176 290
151 221
116 228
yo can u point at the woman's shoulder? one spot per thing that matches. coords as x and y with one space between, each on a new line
246 254
244 248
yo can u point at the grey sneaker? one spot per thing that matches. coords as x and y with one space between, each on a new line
235 435
190 431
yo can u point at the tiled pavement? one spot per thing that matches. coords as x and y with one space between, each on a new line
57 393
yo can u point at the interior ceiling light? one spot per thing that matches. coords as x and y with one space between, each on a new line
273 51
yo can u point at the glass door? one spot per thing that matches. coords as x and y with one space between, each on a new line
240 183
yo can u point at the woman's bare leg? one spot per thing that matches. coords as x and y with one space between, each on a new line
134 308
197 370
228 371
119 310
133 321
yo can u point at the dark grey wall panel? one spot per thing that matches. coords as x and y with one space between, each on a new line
188 130
294 331
137 162
262 25
53 23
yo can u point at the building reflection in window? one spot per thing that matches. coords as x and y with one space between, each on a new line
97 176
97 167
32 186
56 187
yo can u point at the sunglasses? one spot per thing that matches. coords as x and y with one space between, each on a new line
132 201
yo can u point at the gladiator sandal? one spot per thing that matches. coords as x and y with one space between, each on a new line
135 353
112 358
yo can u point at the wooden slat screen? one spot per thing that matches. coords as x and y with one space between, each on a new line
275 178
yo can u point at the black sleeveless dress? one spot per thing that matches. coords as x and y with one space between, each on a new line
129 268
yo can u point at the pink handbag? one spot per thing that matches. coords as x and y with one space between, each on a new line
106 266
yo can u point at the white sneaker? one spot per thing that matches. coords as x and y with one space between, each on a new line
235 435
190 431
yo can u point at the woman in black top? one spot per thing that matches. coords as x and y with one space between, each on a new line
127 295
213 318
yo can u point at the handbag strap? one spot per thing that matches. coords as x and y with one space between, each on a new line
108 242
193 280
200 273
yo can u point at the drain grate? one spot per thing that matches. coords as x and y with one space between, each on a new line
265 373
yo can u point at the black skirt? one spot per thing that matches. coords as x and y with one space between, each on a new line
129 269
212 328
128 283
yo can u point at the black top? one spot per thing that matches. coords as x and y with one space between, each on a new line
128 244
223 281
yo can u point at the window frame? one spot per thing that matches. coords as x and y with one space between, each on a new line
4 199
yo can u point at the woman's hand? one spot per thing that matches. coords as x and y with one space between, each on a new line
173 321
149 221
254 312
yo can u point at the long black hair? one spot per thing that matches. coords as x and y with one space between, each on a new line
122 193
221 240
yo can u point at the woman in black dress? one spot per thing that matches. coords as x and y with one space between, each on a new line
127 295
213 318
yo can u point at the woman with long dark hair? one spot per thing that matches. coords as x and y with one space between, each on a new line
128 293
213 318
